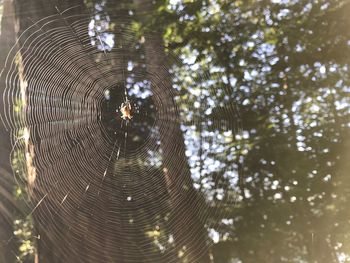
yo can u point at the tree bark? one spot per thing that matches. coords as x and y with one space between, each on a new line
27 12
8 247
190 236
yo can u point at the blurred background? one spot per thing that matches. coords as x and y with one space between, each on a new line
256 95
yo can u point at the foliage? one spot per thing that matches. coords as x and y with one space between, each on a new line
284 66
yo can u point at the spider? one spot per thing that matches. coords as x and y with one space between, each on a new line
126 110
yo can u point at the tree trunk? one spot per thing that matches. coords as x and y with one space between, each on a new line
190 236
7 242
27 12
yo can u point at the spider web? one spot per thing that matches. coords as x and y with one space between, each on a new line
96 184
